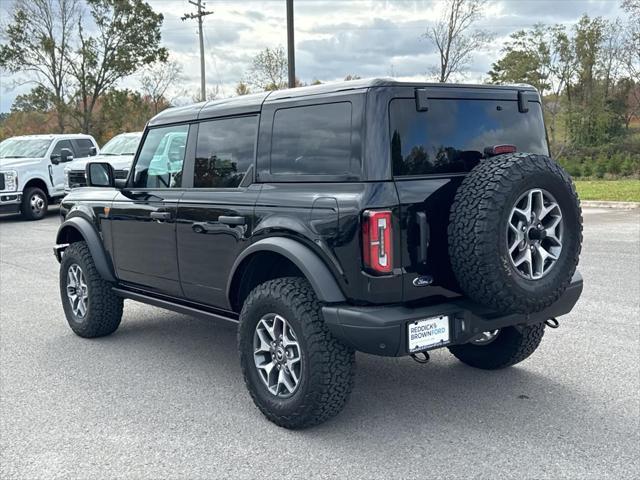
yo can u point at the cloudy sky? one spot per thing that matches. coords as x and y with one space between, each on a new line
333 38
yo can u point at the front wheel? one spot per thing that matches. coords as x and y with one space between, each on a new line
34 204
91 307
500 348
297 373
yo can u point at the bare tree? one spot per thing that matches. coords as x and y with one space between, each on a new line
269 70
37 42
211 94
242 89
455 38
156 80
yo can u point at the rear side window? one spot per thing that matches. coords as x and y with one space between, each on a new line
312 140
83 147
451 136
224 151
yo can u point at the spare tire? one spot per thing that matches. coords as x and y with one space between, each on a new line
515 233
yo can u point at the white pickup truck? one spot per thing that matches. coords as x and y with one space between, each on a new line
32 170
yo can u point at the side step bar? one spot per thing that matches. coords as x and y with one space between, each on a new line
173 306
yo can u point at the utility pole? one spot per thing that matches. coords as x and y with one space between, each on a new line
189 16
291 56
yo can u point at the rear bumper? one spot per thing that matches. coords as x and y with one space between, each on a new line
382 330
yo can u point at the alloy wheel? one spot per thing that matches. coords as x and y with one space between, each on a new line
77 291
485 337
277 355
534 234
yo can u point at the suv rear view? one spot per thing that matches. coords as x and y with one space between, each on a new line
376 216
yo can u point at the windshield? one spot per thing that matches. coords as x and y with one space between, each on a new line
24 147
121 145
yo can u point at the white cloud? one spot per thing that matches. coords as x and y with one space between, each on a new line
333 37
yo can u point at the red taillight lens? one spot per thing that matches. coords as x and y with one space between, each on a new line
499 150
377 245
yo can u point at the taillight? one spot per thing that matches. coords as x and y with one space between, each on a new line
499 150
377 247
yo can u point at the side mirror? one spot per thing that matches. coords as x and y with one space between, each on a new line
100 174
66 155
93 151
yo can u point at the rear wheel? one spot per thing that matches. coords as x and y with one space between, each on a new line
34 203
500 348
297 373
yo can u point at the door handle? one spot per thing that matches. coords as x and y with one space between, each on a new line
160 215
231 220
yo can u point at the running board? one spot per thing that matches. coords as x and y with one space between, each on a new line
173 306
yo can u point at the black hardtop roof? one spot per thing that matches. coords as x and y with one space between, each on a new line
253 102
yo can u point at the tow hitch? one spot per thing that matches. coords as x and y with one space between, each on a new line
552 322
421 359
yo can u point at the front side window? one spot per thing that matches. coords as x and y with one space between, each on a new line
161 159
312 140
63 144
450 137
224 151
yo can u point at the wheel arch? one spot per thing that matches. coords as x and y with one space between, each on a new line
37 182
277 257
78 229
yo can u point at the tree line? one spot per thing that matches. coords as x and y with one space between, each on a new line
75 53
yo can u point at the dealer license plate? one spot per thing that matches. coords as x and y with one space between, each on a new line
428 333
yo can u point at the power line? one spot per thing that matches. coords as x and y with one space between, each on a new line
190 16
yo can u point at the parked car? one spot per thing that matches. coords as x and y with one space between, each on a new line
118 151
32 170
386 217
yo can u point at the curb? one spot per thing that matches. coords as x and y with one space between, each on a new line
617 205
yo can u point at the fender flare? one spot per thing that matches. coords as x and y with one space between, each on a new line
91 237
308 262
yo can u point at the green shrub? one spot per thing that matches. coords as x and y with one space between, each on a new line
626 169
614 165
601 167
587 169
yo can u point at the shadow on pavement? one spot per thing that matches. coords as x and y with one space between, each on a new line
7 218
392 398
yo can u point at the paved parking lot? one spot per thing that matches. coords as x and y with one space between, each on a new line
163 397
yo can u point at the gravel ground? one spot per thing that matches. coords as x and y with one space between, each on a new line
163 397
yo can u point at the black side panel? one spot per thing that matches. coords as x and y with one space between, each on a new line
214 226
307 212
144 244
431 197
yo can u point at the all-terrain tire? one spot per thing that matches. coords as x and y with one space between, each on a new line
327 369
511 346
104 308
478 225
34 204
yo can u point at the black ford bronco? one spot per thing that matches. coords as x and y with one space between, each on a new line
385 217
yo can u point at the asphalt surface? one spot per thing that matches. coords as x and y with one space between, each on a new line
163 397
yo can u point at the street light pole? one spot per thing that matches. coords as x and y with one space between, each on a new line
291 57
201 13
